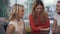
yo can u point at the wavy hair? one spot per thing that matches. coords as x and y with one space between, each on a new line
15 11
42 14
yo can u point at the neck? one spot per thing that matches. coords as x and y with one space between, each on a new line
18 19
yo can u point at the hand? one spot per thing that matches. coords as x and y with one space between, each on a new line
53 30
58 29
46 29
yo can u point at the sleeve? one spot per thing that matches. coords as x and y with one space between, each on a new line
33 27
47 24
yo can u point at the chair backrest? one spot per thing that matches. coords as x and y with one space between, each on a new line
2 30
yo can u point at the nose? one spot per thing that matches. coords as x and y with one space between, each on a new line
39 9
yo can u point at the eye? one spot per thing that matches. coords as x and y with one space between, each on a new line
39 8
22 10
58 6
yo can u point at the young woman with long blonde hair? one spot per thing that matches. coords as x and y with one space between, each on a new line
16 24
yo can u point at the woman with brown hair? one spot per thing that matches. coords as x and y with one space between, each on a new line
16 24
39 21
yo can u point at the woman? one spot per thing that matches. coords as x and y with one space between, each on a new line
39 21
16 24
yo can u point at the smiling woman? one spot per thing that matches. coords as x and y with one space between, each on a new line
16 24
39 21
25 4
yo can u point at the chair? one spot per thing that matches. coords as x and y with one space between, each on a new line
2 30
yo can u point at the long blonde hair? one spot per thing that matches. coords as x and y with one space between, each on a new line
15 11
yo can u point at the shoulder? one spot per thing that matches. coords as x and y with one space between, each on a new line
45 13
10 29
30 15
11 24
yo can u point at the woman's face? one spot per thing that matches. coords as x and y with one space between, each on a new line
20 12
38 9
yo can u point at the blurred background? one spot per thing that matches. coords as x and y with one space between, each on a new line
6 7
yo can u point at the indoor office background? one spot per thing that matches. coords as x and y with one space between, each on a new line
6 7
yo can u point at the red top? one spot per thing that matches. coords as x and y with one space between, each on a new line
34 28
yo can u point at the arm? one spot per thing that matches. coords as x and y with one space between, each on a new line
54 26
10 29
24 29
47 25
32 24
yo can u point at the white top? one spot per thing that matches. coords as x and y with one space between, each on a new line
57 17
18 28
